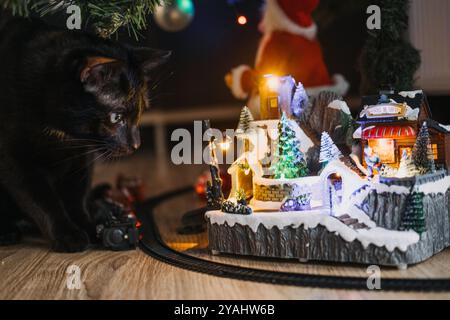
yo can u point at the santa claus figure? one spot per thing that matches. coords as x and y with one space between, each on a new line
289 47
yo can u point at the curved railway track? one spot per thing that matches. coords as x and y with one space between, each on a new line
153 245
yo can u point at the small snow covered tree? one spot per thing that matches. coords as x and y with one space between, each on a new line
299 101
414 217
406 167
244 120
328 150
290 163
422 152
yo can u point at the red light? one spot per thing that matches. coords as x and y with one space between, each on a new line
242 20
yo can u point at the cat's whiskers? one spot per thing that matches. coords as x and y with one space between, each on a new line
81 146
65 160
91 162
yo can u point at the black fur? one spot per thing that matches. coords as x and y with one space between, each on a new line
58 113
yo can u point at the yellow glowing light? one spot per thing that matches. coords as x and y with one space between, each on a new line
225 145
242 20
384 148
273 83
247 171
182 246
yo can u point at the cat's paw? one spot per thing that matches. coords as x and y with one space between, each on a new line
73 240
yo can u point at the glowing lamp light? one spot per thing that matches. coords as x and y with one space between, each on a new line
226 144
242 20
273 83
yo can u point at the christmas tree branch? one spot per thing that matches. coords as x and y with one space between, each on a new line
107 17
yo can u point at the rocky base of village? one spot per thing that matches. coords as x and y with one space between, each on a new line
317 244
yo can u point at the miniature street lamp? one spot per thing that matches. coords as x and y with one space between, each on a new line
214 194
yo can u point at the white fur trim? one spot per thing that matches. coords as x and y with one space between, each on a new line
236 87
276 20
340 87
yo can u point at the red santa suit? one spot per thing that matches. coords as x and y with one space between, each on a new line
289 47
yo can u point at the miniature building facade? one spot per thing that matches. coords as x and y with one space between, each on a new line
390 124
278 95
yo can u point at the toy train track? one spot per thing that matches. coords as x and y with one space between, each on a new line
153 245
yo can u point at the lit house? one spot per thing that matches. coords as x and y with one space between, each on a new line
281 94
390 123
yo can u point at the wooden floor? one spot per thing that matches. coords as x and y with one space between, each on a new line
30 271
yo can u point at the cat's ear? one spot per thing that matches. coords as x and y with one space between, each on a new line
99 70
149 59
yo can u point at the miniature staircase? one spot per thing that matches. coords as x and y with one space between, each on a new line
352 222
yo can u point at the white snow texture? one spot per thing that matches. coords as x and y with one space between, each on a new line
379 237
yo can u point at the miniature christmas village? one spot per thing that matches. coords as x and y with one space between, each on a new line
312 183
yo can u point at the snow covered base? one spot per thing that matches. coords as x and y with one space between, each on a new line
314 235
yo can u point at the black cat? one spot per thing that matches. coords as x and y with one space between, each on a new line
66 99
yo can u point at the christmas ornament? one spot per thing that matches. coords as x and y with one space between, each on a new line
175 16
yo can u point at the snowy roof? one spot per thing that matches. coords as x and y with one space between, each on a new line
413 100
437 126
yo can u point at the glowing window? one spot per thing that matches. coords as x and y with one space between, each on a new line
434 148
273 102
384 148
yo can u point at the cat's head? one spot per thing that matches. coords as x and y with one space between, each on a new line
104 108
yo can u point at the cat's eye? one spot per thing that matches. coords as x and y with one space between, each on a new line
115 118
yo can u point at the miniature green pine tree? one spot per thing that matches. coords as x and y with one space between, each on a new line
244 120
422 152
328 150
290 162
414 217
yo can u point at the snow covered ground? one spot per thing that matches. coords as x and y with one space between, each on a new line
379 237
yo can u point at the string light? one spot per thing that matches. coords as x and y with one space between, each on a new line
242 20
273 83
226 144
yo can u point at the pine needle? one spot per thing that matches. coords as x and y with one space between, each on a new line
107 17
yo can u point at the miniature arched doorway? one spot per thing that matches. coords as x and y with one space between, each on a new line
335 192
244 181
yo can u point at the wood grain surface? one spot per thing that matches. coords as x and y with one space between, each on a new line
30 271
